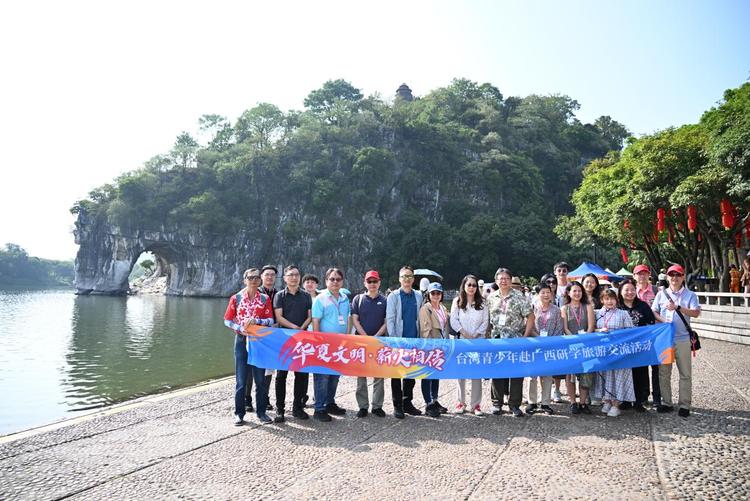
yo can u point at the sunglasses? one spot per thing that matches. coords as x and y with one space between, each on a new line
335 279
675 274
373 281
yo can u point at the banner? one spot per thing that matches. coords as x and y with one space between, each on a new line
390 357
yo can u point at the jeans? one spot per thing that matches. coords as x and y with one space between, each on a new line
243 370
301 381
430 390
325 390
400 397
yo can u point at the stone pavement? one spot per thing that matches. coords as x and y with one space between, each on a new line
184 445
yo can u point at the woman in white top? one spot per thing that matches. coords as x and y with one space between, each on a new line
469 319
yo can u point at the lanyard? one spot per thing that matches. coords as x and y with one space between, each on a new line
543 318
334 303
608 314
577 317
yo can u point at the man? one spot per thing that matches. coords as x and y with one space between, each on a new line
330 313
516 284
368 317
672 305
310 283
292 307
646 292
561 270
402 310
511 316
268 279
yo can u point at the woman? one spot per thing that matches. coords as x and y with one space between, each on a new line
330 313
548 322
578 318
433 321
734 278
469 318
550 280
613 386
248 307
745 280
591 286
641 314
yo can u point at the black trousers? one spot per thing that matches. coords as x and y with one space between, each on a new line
641 384
512 386
493 395
655 390
301 381
402 396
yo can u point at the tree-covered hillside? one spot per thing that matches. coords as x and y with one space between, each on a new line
461 180
17 268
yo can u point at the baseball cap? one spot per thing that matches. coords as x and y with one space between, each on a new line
676 268
269 267
372 274
640 268
435 286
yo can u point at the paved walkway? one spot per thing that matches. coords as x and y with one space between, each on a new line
183 445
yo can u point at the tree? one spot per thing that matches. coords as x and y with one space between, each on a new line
183 151
260 124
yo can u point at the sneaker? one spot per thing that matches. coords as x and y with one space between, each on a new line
432 410
249 407
335 410
443 410
614 411
557 397
638 407
530 409
497 410
378 412
574 409
410 409
460 408
239 420
269 407
398 414
547 410
664 408
478 411
596 402
279 418
362 413
606 407
625 406
300 414
264 419
322 416
683 412
517 412
585 409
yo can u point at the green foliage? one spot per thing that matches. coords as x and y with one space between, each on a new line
17 268
729 128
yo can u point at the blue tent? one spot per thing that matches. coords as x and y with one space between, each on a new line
597 270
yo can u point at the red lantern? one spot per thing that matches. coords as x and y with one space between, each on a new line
624 255
692 218
661 225
727 214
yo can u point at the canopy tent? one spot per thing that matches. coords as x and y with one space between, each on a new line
597 270
623 272
424 272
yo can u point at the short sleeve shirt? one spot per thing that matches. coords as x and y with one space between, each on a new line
686 299
508 314
293 307
329 310
371 312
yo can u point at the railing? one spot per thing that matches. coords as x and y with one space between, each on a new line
724 316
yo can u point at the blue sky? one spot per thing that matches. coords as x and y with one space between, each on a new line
93 89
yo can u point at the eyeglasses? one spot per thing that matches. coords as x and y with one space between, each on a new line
252 277
292 274
373 281
406 277
335 279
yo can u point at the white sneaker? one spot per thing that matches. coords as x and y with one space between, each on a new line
596 402
478 411
606 407
614 411
496 409
557 397
460 408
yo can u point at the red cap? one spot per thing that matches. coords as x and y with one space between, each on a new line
372 274
676 268
641 267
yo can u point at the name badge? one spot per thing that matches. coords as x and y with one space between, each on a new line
543 333
501 319
341 320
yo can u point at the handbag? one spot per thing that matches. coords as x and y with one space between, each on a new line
695 341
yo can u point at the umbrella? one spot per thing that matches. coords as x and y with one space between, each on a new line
623 272
424 272
597 270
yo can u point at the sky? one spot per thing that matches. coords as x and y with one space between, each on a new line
90 90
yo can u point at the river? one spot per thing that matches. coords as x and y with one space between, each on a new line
62 354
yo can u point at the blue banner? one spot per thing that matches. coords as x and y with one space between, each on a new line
350 355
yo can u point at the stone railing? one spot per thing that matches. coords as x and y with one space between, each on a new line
724 316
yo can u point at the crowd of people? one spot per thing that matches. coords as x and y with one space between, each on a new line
503 310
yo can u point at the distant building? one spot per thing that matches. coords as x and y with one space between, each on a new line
404 92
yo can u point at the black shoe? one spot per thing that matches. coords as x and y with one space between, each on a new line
335 410
264 419
269 407
585 409
664 408
322 416
279 418
300 414
410 409
574 409
638 407
517 412
443 410
378 412
547 410
625 406
362 413
239 420
683 412
249 407
432 411
498 411
530 409
398 414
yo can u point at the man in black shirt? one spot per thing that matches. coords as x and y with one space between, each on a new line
292 307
